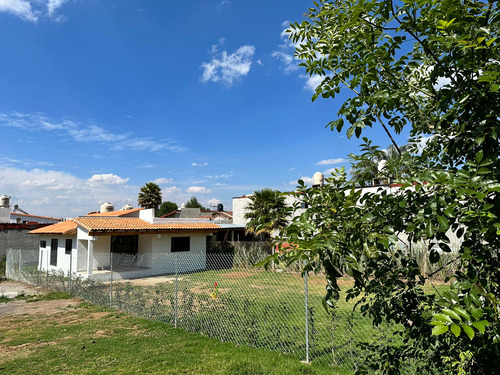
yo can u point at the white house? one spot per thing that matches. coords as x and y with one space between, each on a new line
133 242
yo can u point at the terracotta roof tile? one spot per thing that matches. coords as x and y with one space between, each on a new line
124 224
116 213
64 227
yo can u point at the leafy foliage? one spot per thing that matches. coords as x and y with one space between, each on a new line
266 211
194 203
432 66
167 207
150 196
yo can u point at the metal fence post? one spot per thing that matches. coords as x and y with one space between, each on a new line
111 280
307 317
70 269
176 288
19 266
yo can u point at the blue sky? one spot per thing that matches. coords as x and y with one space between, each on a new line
204 97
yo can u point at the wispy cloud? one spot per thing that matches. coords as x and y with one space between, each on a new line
223 176
199 164
25 162
163 180
225 67
19 8
32 10
222 4
86 132
285 51
331 161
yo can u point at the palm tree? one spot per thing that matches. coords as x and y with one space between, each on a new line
150 196
266 211
376 164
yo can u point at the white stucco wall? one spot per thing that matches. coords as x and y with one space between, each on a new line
63 260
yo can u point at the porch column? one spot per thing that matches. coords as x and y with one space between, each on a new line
90 255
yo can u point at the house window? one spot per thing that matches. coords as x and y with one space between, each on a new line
69 245
53 251
304 205
125 244
180 244
43 244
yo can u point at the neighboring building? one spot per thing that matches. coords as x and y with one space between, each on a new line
85 245
240 206
14 227
218 216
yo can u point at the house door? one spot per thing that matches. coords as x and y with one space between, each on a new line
125 244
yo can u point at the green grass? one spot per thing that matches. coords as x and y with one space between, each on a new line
253 307
90 340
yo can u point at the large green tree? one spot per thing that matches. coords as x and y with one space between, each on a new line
167 207
150 196
193 202
431 66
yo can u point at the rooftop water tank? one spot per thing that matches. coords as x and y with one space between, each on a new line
127 207
107 207
318 179
5 201
220 207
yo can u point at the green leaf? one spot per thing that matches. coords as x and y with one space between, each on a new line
442 317
468 330
480 326
452 314
479 156
439 330
443 221
455 330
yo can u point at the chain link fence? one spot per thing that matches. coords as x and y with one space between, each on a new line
220 295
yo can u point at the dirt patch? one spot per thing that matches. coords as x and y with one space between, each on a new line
37 308
12 289
150 281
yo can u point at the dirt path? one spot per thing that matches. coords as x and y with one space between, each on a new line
12 289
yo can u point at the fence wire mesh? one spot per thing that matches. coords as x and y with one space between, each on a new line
220 295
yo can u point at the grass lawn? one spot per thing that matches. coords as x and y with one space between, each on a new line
86 339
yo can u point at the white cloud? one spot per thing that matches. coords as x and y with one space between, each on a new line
312 82
86 132
224 175
60 194
32 10
289 63
213 202
199 164
198 190
331 161
107 179
227 67
20 8
163 180
53 5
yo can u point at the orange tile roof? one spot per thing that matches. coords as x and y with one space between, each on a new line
134 224
64 227
116 213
